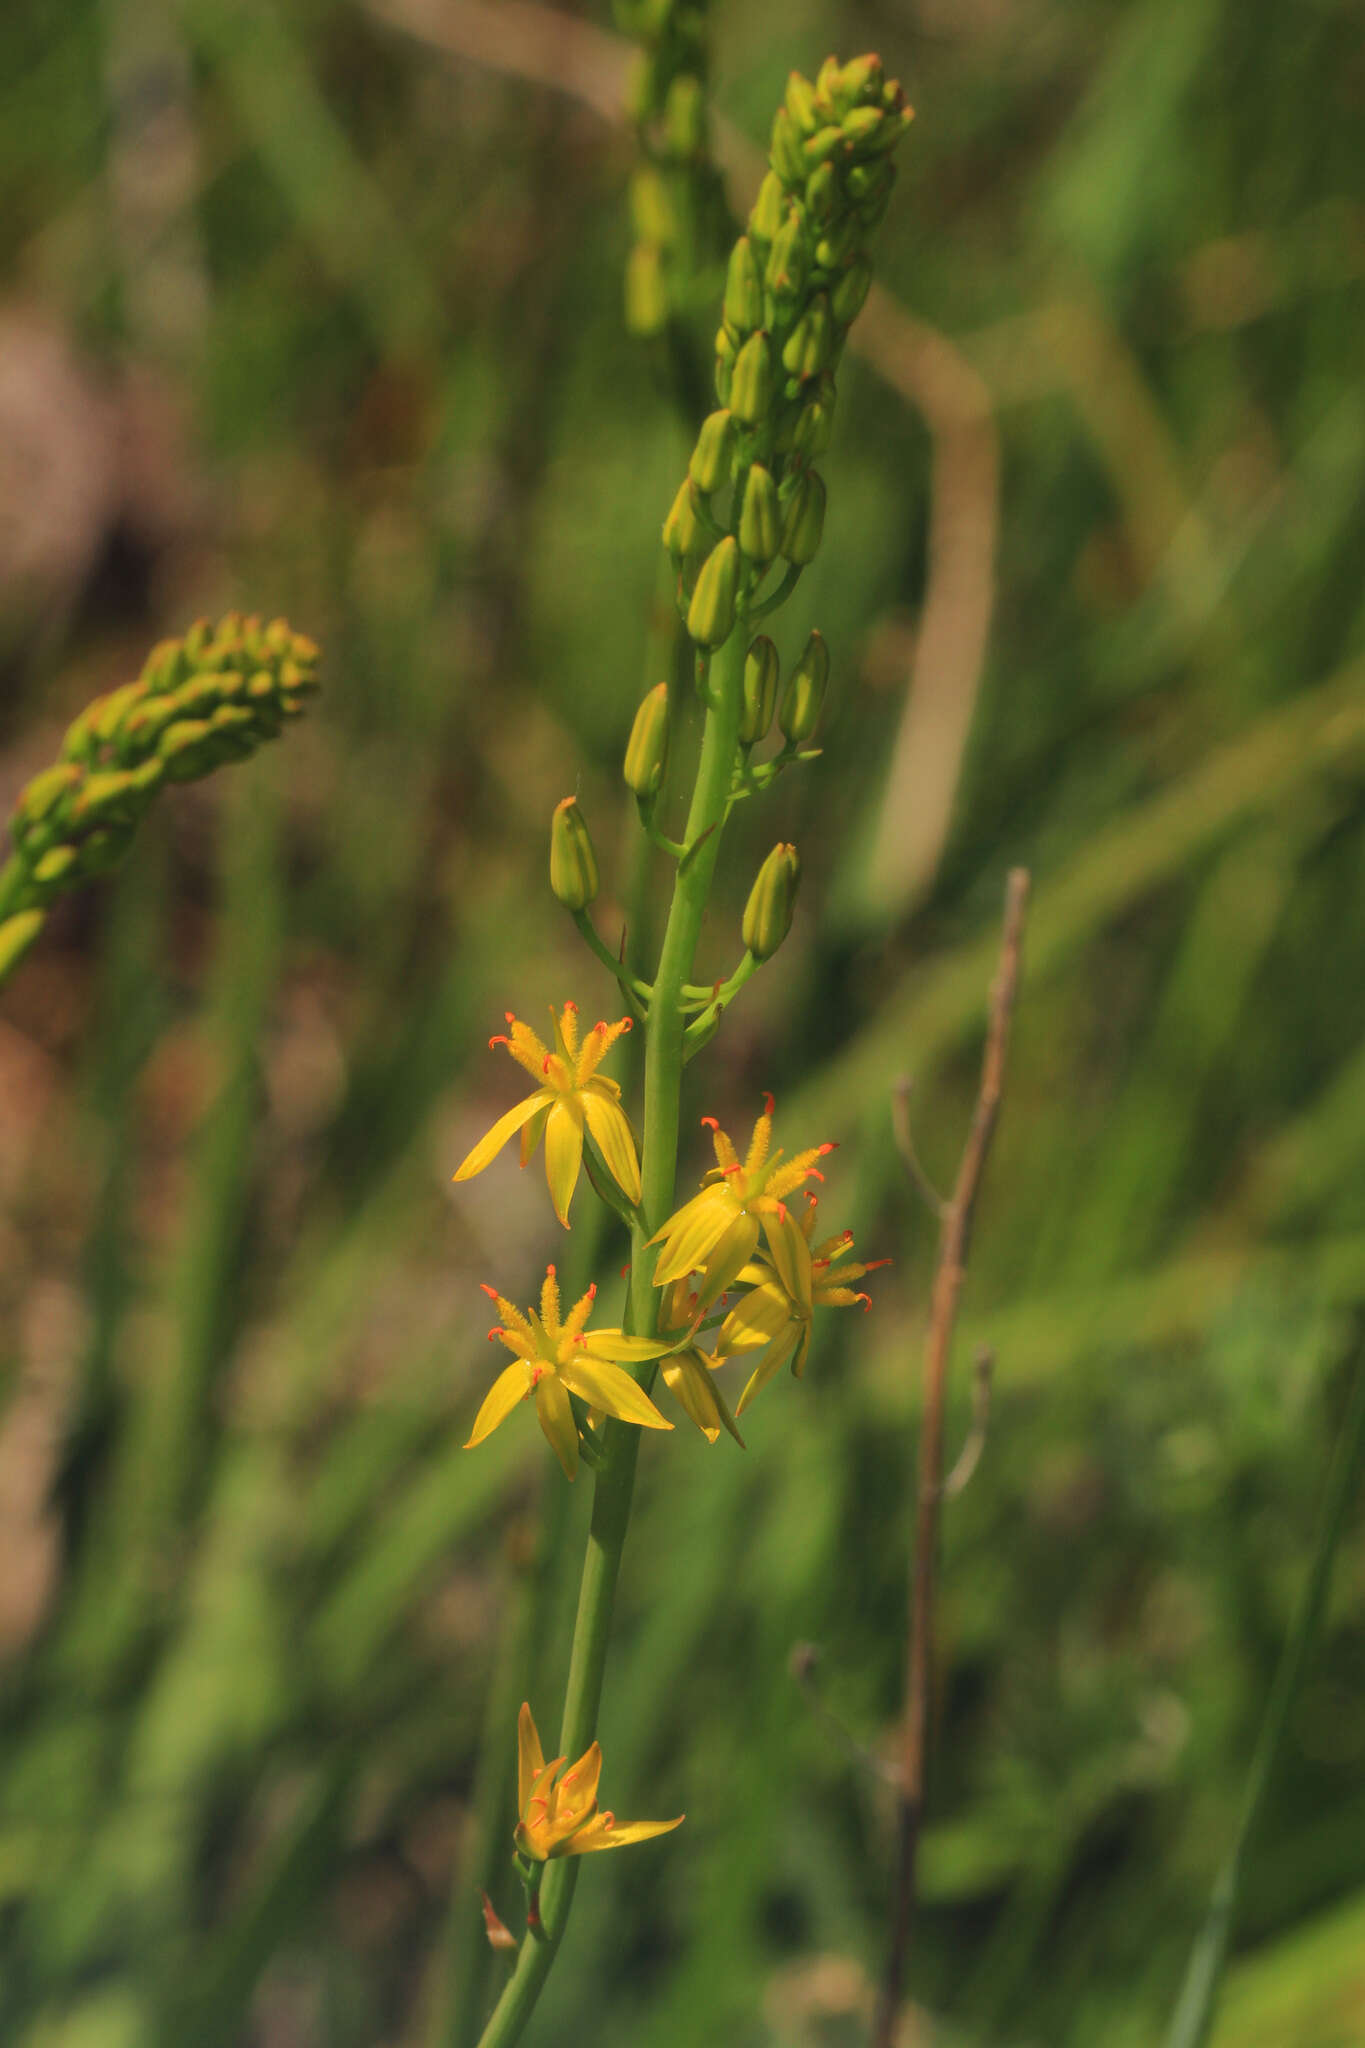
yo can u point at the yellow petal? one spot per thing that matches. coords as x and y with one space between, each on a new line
612 1135
530 1755
608 1388
556 1419
728 1258
606 1833
754 1320
563 1154
772 1361
621 1349
791 1255
699 1396
578 1786
708 1216
513 1384
533 1132
490 1145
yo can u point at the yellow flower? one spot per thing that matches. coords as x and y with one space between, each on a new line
718 1229
687 1372
572 1095
554 1359
772 1319
562 1819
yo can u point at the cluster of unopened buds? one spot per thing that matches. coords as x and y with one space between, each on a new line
737 1259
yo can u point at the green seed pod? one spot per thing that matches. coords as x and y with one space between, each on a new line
647 748
685 117
851 290
725 364
804 696
710 464
743 304
769 209
760 516
646 292
573 864
768 912
682 529
761 676
808 346
800 101
711 614
786 152
805 520
751 386
786 270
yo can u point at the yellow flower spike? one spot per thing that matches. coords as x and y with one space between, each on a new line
571 1097
554 1358
559 1816
719 1229
773 1319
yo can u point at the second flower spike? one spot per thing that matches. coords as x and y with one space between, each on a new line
571 1098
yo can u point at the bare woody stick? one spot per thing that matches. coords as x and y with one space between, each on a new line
955 1233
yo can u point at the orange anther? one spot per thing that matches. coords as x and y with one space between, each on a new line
549 1272
822 1149
815 1174
713 1122
866 1300
573 1007
767 1103
496 1331
592 1291
782 1211
499 1040
510 1016
627 1023
491 1292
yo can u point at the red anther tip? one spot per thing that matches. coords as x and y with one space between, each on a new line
814 1200
571 1006
592 1291
627 1023
510 1016
848 1237
549 1272
545 1065
823 1149
499 1040
768 1104
491 1292
496 1331
712 1121
873 1264
625 1271
736 1168
866 1300
815 1174
538 1373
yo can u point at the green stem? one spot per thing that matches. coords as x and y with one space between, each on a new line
658 1171
1194 2013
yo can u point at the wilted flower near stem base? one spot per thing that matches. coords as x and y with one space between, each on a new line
572 1095
554 1359
771 1318
562 1818
719 1229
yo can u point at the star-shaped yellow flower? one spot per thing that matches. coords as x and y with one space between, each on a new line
563 1819
570 1097
770 1317
718 1230
554 1359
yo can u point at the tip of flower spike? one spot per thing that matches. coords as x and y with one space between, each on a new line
768 1104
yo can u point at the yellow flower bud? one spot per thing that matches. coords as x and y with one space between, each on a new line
710 464
822 192
807 348
769 209
573 864
840 242
711 614
761 674
800 100
814 426
751 386
804 695
760 517
805 520
725 364
682 529
768 913
647 748
742 308
785 153
786 271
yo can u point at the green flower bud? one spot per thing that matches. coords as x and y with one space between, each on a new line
869 181
645 290
804 695
711 614
786 271
851 290
761 676
827 82
800 100
814 427
769 209
725 364
647 748
822 192
651 210
768 913
17 934
817 149
863 126
872 211
808 346
685 116
682 528
743 304
859 77
573 864
840 242
760 517
751 386
787 158
710 464
805 520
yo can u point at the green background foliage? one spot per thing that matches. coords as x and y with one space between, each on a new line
318 320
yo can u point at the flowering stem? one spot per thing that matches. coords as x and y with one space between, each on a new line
615 1482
